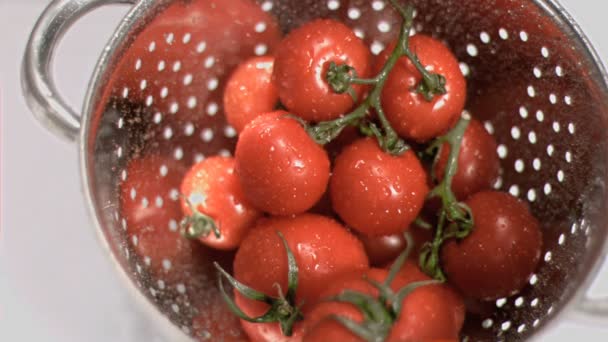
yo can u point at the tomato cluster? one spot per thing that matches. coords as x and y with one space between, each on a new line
412 226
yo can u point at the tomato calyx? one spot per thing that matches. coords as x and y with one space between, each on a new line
282 307
341 77
379 312
455 218
198 225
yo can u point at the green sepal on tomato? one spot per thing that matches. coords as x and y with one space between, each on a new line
322 250
215 208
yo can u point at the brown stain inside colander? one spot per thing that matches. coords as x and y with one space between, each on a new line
529 82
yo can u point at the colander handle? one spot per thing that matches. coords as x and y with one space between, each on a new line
37 81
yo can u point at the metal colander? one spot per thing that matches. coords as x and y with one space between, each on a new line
533 80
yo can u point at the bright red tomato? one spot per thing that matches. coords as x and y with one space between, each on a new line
301 65
501 253
320 327
323 250
213 189
374 192
152 214
281 169
425 314
410 272
324 328
250 92
478 163
410 114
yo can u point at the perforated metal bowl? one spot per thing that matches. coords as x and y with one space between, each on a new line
533 79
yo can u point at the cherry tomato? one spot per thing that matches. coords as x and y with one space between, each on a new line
410 114
281 169
213 189
376 193
302 62
250 92
410 272
324 328
425 313
478 163
152 213
501 253
383 249
323 250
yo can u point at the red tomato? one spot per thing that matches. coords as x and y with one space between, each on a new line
382 250
410 114
212 187
374 192
321 328
152 213
281 169
323 250
478 163
324 328
250 92
302 61
410 272
501 253
425 314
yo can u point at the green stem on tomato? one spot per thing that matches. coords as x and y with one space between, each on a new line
198 225
455 210
341 78
283 309
455 218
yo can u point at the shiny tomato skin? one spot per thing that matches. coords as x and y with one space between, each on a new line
425 315
376 193
408 111
325 329
281 169
410 272
212 187
384 248
302 61
501 253
478 163
250 92
321 328
264 332
323 250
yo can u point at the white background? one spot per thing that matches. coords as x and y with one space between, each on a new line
55 282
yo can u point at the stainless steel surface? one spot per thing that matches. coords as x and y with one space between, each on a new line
39 88
564 107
